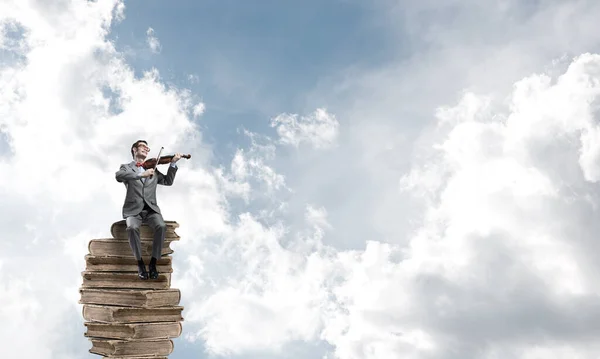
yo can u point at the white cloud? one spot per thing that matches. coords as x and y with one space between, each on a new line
199 109
317 217
152 41
319 129
55 113
500 226
497 258
495 266
273 295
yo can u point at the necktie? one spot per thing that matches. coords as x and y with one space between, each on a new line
138 164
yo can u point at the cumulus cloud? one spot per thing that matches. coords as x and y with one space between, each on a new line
198 109
499 242
71 105
495 266
74 106
504 257
320 129
273 296
152 41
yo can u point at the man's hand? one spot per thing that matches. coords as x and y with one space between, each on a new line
176 157
147 173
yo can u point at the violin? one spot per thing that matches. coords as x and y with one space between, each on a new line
152 163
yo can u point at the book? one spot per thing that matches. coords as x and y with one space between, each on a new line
133 330
116 314
145 235
119 230
131 297
150 347
124 280
124 264
127 317
120 248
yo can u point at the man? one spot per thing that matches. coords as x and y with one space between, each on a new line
140 204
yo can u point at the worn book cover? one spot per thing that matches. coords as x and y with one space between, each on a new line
143 298
114 314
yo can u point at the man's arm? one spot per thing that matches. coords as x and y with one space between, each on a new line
124 174
167 180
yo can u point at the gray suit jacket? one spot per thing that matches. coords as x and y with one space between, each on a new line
139 192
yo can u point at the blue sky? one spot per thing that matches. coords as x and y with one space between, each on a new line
398 194
253 60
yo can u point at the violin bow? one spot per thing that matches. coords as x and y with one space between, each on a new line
157 158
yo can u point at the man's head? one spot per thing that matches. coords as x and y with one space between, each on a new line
139 147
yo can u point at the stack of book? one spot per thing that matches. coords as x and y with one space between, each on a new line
125 316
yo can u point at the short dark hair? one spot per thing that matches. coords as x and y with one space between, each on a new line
135 144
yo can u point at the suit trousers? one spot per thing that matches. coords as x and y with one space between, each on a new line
155 221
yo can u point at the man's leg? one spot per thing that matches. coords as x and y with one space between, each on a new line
156 222
133 231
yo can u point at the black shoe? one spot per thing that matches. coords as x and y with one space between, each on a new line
142 274
152 268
